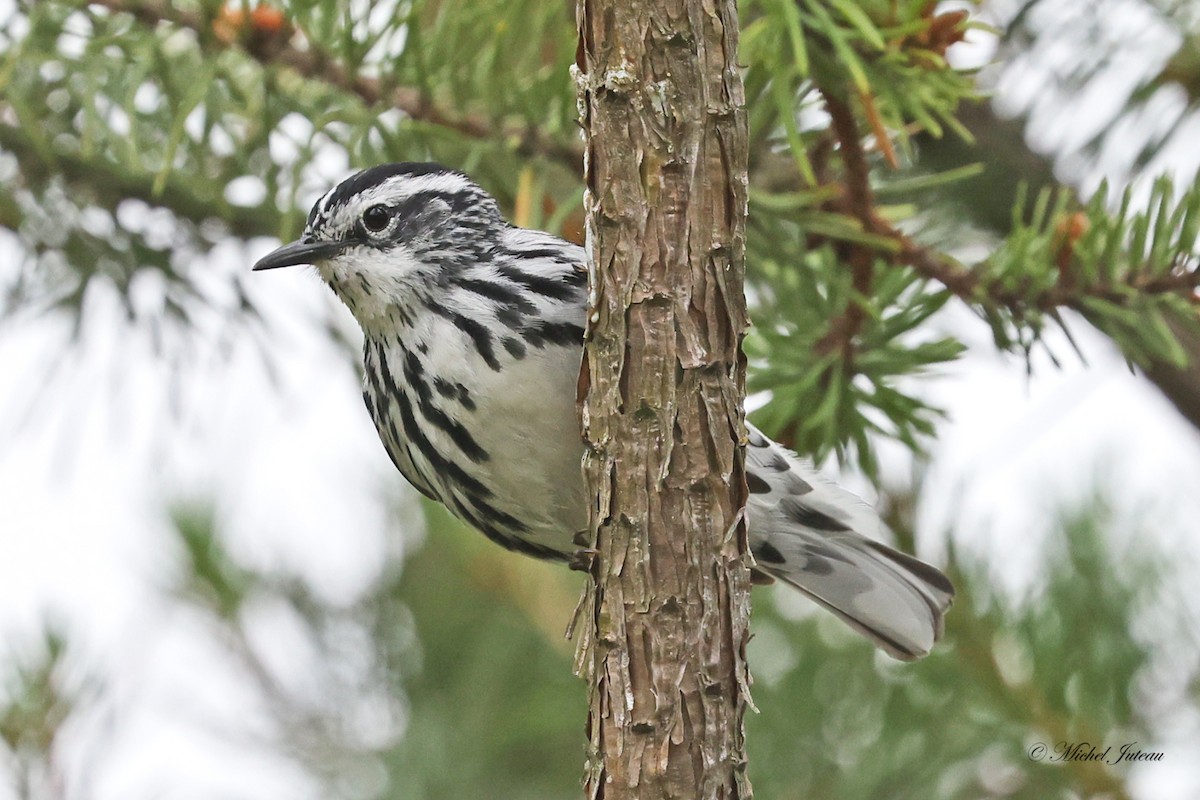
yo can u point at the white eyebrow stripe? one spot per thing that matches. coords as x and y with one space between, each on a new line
335 210
387 191
447 182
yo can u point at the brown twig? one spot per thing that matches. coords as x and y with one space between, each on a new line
1181 278
855 199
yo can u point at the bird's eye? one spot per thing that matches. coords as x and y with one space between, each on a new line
376 218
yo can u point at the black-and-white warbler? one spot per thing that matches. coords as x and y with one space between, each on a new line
473 334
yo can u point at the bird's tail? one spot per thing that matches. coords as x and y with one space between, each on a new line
893 599
818 538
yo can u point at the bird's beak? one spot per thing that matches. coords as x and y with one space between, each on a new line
296 253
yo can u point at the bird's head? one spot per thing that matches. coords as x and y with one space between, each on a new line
386 230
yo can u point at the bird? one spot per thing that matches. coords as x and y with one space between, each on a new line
473 334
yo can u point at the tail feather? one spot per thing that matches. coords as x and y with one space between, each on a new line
818 538
869 586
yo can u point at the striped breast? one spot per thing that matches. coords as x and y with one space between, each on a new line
420 418
472 393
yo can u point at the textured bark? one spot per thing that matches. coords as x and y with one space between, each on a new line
661 391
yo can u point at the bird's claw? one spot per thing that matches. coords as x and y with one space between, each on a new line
583 559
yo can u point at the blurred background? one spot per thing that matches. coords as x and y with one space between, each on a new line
213 584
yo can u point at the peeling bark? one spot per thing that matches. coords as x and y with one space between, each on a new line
661 391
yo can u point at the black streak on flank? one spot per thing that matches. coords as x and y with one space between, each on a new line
443 468
381 403
553 288
477 331
494 516
454 391
504 296
385 421
438 418
515 348
387 432
414 376
463 511
544 252
507 541
810 517
561 333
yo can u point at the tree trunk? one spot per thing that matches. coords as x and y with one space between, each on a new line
661 393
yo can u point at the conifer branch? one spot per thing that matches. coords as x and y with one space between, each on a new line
110 183
310 62
978 286
1182 278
